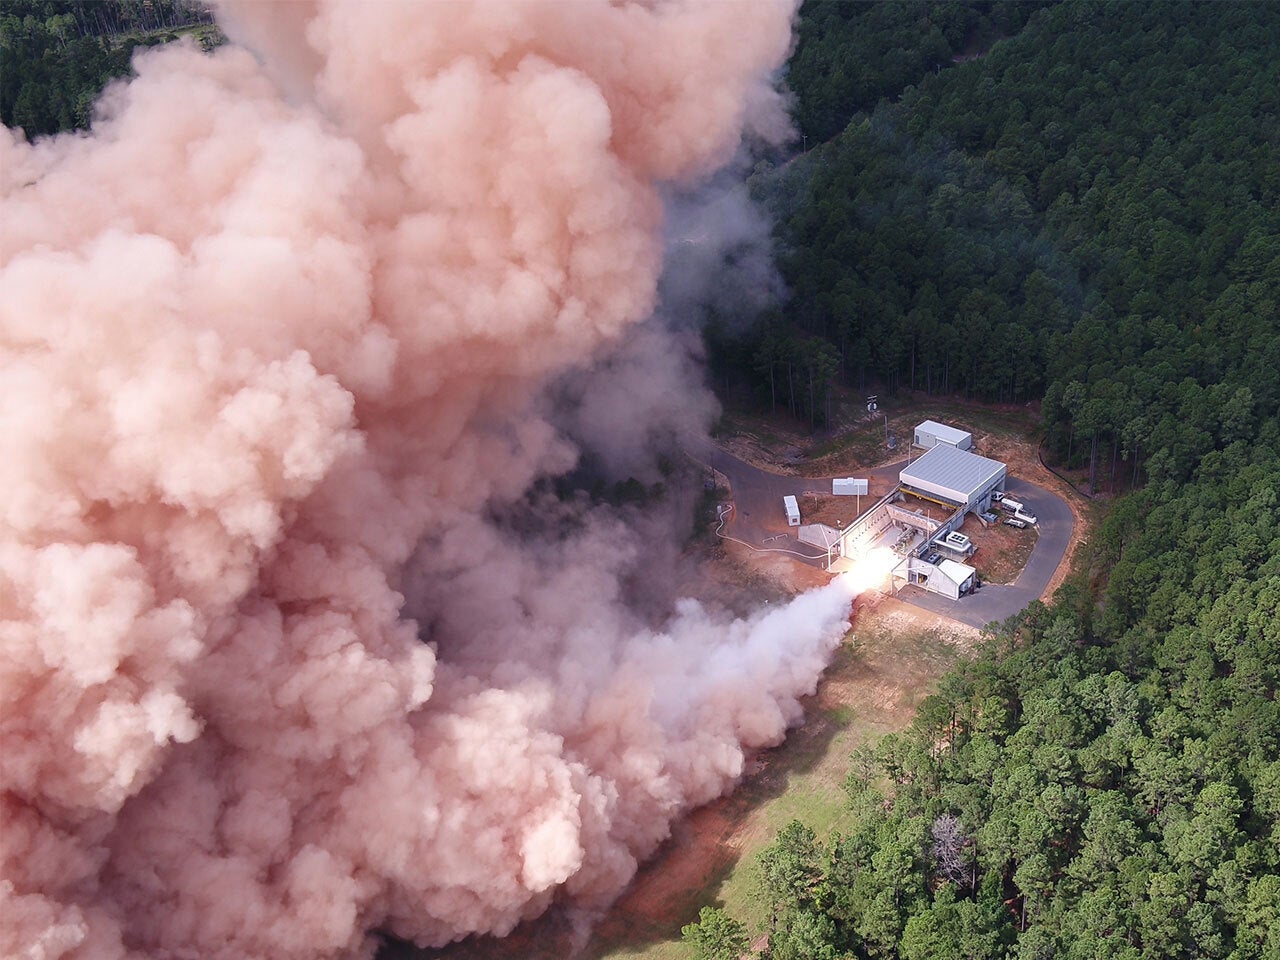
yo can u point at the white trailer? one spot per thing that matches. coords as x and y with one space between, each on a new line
1013 506
792 510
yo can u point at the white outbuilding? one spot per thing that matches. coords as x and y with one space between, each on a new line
849 487
792 510
930 433
954 478
947 578
956 579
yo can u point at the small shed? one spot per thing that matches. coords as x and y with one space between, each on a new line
959 576
792 509
930 433
947 578
848 487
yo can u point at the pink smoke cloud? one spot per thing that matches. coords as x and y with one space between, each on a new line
272 341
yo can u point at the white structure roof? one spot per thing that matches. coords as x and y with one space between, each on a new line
955 571
820 535
956 470
943 432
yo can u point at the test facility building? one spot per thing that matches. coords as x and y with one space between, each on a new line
954 478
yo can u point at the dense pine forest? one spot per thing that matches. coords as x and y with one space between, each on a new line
1073 203
1088 213
56 55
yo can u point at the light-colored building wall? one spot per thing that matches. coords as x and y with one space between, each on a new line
930 433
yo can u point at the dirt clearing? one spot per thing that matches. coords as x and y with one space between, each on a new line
1002 550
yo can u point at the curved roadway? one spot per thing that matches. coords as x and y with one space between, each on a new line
758 519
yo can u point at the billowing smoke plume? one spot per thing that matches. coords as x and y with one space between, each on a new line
272 343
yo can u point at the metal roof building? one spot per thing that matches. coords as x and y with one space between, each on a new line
930 433
955 478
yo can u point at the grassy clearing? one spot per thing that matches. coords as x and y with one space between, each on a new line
862 445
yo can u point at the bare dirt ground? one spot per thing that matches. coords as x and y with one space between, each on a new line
840 511
1002 550
770 443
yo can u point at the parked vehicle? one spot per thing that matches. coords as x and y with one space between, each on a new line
1013 506
1025 517
1014 522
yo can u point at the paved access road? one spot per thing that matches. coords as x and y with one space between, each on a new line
759 520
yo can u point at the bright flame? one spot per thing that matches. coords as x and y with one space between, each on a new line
870 570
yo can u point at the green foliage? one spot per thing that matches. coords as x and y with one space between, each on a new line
790 867
56 55
715 936
956 929
1087 212
849 55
